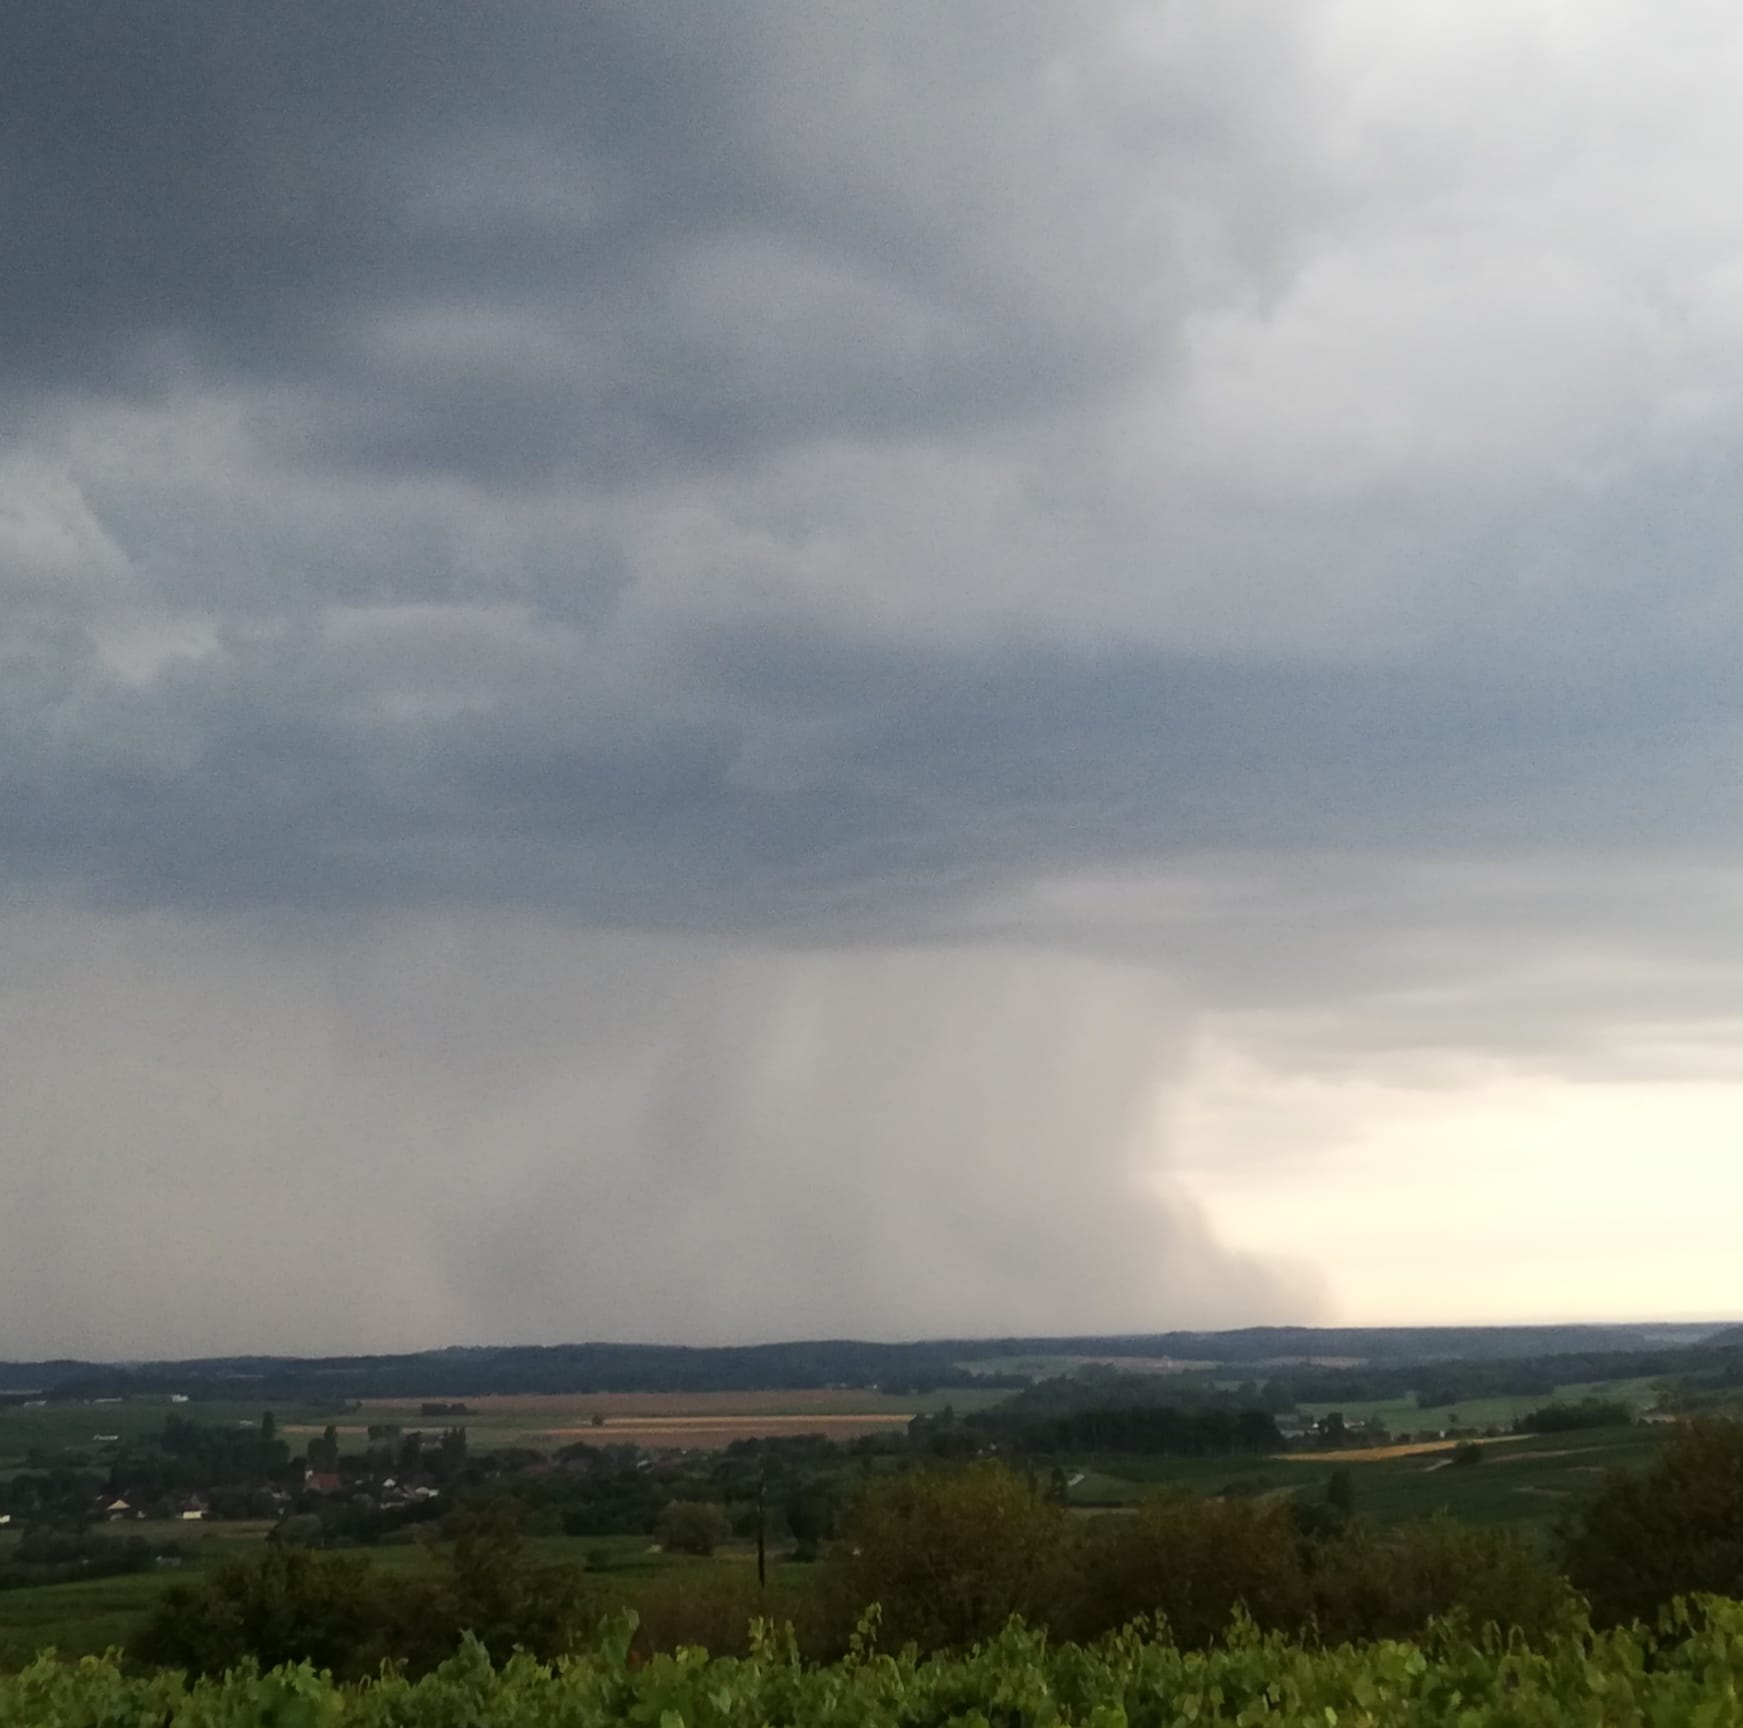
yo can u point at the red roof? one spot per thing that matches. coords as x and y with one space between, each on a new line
325 1481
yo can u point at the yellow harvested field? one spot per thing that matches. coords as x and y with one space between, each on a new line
560 1405
697 1431
667 1420
1379 1454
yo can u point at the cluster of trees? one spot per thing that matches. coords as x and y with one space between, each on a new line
950 1554
950 1558
1103 1410
44 1555
1162 1431
1557 1418
337 1611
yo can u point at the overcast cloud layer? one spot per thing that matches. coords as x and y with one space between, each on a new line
706 672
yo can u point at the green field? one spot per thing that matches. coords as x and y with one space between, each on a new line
82 1619
1527 1483
1405 1416
492 1423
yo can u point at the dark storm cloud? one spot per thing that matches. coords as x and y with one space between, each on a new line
515 242
848 563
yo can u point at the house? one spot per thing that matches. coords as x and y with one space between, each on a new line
193 1509
323 1482
118 1508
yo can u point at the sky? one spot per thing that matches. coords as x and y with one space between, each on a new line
706 673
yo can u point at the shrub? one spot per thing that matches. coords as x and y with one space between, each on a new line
1193 1562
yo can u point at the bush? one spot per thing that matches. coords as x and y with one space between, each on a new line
301 1605
949 1554
1369 1584
692 1527
1193 1562
290 1605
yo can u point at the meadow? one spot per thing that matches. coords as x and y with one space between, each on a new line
89 1617
1529 1482
674 1420
1406 1416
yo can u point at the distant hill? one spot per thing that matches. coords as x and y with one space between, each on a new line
1380 1345
903 1367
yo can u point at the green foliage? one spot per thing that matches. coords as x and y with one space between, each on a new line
950 1554
1368 1584
1193 1562
692 1527
290 1605
340 1613
1689 1677
486 1585
1565 1418
1672 1530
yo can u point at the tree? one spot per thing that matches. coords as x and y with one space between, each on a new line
1340 1491
950 1554
290 1605
1193 1561
487 1585
1673 1530
692 1527
453 1452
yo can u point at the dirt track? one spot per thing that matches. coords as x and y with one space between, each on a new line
1379 1454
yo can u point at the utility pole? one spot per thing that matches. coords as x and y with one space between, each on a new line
762 1547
